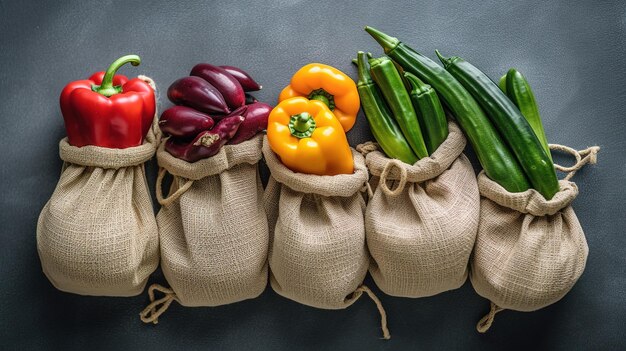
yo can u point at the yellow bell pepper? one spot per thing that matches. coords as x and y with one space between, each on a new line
308 138
317 81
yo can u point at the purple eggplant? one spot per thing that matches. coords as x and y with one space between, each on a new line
256 121
184 122
207 143
241 111
250 99
224 82
247 83
197 93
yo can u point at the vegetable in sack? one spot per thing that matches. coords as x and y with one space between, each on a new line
255 121
246 81
429 112
494 155
207 143
108 110
308 138
223 81
391 85
383 127
197 93
184 122
334 88
510 123
518 90
195 134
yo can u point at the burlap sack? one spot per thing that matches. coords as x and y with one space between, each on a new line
317 254
529 251
317 251
97 234
213 229
421 233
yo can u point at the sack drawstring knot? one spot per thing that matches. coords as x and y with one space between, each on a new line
151 313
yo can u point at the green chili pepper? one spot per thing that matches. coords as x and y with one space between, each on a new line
391 85
429 111
507 118
383 127
495 157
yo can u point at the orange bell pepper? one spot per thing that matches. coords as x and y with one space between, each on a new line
317 81
308 138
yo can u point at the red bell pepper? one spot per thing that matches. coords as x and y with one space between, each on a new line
108 110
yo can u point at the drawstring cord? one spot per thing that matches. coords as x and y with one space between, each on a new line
370 146
151 313
485 323
385 173
583 157
159 189
383 315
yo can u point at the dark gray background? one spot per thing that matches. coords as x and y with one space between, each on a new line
573 53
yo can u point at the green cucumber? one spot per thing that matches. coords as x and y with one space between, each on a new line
518 90
510 122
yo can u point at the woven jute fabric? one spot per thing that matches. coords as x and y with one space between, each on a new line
213 228
422 219
529 251
318 256
97 235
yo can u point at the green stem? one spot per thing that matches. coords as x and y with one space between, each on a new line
445 60
323 96
387 42
363 68
302 125
107 88
356 62
418 87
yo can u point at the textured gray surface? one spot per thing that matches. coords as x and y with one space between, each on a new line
573 53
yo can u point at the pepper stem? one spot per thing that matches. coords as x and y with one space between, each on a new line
302 125
387 42
445 60
356 62
417 86
363 68
378 61
323 96
107 88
